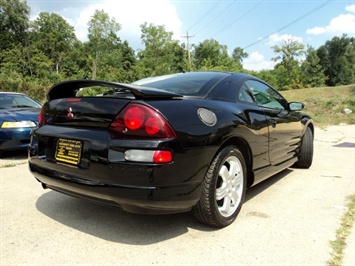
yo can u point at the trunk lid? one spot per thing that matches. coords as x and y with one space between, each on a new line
66 106
85 111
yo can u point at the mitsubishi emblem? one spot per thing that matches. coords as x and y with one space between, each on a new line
70 114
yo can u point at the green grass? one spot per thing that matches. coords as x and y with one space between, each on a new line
11 165
339 243
326 104
8 165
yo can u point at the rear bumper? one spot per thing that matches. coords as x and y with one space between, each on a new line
135 199
103 174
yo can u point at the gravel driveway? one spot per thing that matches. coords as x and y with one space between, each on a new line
287 220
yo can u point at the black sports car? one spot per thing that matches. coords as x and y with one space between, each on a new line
175 143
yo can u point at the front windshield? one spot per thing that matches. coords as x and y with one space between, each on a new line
187 84
16 101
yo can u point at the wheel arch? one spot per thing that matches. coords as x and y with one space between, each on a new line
308 123
245 149
311 127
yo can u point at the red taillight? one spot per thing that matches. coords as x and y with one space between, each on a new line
149 156
162 157
42 118
141 120
134 118
153 125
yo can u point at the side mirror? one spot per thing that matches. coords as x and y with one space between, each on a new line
295 106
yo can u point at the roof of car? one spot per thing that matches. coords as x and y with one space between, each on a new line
7 92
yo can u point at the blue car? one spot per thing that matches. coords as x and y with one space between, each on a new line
18 117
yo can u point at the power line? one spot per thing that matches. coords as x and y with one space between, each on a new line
204 15
291 23
238 18
226 8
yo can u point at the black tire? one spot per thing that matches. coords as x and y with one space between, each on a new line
305 158
223 189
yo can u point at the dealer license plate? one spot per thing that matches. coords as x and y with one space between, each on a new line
68 151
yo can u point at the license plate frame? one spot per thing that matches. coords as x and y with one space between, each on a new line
68 151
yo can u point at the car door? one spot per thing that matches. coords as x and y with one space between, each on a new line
254 129
284 126
259 137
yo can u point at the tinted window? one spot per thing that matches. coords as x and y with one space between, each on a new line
189 84
225 91
244 95
266 96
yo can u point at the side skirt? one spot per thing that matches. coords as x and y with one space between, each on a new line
266 172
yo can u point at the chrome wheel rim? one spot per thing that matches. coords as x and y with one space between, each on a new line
229 187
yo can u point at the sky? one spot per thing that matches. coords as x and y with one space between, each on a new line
254 25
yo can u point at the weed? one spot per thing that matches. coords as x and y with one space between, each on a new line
338 245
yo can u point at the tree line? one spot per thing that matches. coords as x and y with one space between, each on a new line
36 54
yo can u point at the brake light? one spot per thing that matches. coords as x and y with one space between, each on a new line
73 100
148 156
143 121
134 118
162 156
42 118
152 125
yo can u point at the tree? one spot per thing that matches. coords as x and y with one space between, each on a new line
239 55
76 64
161 54
210 55
312 71
281 77
268 75
350 58
103 39
336 58
128 63
288 53
53 36
14 23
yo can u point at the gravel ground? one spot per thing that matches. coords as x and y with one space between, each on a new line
287 220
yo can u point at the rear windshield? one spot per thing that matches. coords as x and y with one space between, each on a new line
187 84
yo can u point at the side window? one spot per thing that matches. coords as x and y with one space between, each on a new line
244 95
225 92
266 96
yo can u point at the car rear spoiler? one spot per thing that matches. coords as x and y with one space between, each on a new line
70 88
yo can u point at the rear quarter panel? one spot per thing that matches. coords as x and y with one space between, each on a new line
233 121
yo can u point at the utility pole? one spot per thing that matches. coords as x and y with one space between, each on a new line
187 36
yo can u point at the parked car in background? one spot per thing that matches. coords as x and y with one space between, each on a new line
18 116
188 141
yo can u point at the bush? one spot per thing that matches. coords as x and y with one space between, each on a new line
14 82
